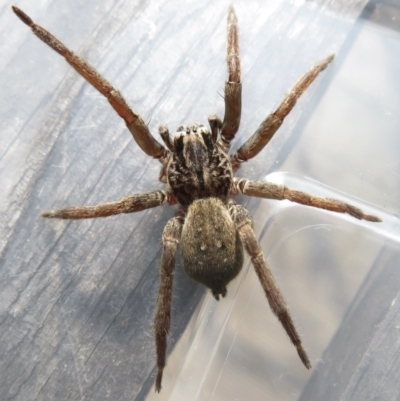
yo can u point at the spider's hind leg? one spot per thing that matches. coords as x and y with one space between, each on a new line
170 240
244 224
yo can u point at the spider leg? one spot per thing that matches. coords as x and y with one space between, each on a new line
134 122
129 204
233 86
215 125
170 240
166 137
244 224
268 190
275 119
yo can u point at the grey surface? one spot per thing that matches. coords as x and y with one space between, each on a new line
77 298
369 370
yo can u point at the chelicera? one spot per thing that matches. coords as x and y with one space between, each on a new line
209 227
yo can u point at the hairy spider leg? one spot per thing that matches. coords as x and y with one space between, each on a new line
274 120
128 204
170 241
134 122
233 89
233 86
244 224
268 190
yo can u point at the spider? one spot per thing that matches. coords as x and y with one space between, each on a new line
209 226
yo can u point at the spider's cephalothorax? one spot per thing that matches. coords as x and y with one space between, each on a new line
198 168
209 226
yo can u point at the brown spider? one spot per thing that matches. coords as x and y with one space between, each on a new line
198 174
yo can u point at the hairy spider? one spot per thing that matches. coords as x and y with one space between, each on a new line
209 226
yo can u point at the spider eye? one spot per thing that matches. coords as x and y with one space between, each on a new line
180 128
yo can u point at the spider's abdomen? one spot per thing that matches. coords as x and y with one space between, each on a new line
199 168
211 250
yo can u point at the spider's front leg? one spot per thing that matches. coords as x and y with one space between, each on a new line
274 120
233 88
128 204
268 190
244 224
170 240
134 122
